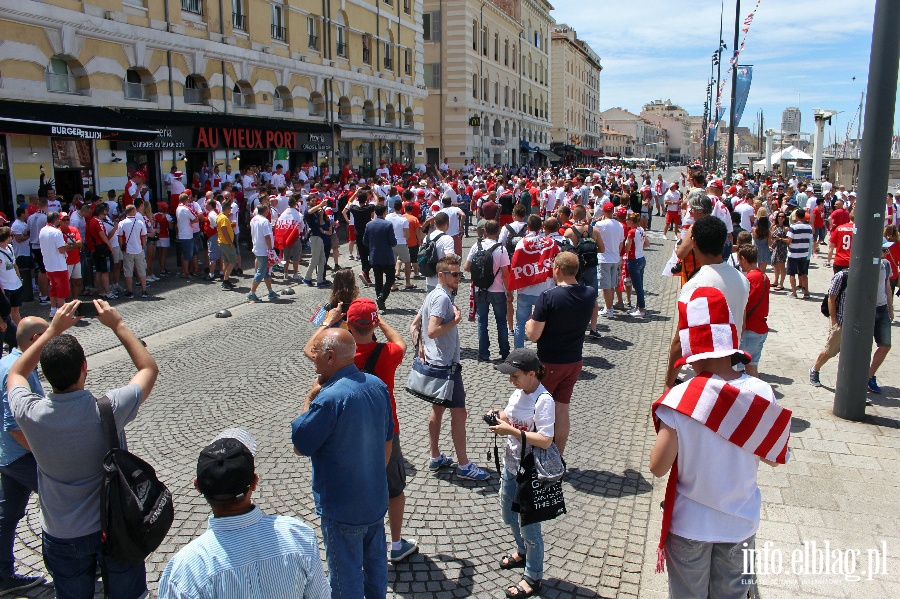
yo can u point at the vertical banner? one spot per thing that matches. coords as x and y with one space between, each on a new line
712 134
744 77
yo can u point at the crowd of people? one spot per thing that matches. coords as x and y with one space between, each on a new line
553 251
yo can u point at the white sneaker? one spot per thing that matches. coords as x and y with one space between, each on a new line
53 312
637 313
610 313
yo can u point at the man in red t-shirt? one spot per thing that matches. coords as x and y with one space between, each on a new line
362 320
73 256
756 327
839 216
840 242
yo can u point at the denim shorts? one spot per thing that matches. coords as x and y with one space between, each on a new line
262 269
752 343
187 249
882 326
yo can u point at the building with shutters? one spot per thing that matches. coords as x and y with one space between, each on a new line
575 113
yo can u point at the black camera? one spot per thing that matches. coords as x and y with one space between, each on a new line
491 419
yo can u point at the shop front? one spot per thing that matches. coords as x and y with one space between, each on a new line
365 147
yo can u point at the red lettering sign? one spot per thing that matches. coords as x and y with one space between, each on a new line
244 139
202 140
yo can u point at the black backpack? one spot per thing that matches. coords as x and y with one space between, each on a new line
135 507
428 257
586 249
826 310
483 273
512 239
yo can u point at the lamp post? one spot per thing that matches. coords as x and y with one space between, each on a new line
733 109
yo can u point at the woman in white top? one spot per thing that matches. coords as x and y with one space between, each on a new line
530 415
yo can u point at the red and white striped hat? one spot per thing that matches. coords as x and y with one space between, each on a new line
706 328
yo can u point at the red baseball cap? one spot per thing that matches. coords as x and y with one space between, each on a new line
363 313
608 207
717 184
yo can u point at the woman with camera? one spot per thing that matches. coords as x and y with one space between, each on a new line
529 416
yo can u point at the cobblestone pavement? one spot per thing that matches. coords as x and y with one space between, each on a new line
249 371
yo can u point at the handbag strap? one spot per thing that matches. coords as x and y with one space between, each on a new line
372 360
108 420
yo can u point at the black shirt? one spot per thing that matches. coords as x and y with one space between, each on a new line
566 312
506 202
361 217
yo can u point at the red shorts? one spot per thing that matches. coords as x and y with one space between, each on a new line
673 216
560 380
351 233
59 284
505 219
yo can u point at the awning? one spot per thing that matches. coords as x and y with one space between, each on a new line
526 146
374 133
591 153
550 156
168 118
66 120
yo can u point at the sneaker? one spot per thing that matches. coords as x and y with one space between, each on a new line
128 294
228 284
472 472
44 301
367 282
869 402
253 298
308 282
210 277
610 313
637 314
144 294
814 378
873 386
439 462
324 284
593 334
273 295
406 549
53 312
801 294
629 306
17 582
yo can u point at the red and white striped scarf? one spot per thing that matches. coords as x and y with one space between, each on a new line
751 422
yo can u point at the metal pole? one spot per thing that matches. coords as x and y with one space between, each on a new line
859 314
732 111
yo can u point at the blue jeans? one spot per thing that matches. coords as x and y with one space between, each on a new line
496 300
262 269
529 540
73 565
524 305
636 272
18 481
357 559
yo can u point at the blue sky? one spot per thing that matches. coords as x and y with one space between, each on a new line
661 49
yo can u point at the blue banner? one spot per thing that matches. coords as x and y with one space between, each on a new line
714 128
744 77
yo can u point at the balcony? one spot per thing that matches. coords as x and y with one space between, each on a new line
60 82
277 32
134 91
193 95
239 22
194 6
313 41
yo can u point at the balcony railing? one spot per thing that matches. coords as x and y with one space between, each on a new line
240 99
313 41
277 32
341 49
193 95
239 22
194 6
134 91
60 82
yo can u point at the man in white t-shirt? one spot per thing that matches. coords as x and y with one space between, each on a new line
495 296
248 184
672 201
184 218
278 177
263 242
609 261
444 245
133 240
748 218
401 231
54 249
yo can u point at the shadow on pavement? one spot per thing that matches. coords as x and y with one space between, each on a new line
608 484
613 343
565 589
412 569
882 421
491 486
798 425
775 379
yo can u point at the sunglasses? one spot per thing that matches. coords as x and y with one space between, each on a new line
451 273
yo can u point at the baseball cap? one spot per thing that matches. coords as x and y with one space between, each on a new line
673 185
717 184
225 468
608 207
519 359
62 216
363 313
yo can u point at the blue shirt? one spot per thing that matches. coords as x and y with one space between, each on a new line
344 432
10 449
313 222
380 238
251 556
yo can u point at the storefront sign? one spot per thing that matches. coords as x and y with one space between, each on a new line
498 142
167 139
75 132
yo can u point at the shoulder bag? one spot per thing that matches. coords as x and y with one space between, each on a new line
536 501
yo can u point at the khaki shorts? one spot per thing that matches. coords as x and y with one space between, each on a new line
229 254
117 254
135 262
401 253
833 341
75 271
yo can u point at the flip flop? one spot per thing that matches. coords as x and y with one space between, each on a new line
510 563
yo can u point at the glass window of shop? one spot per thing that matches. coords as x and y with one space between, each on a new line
409 153
73 166
343 153
366 154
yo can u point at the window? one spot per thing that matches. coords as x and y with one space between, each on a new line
506 53
366 52
496 92
514 57
475 35
340 33
133 86
475 86
484 40
433 76
277 22
388 57
497 47
407 61
316 104
59 78
238 17
512 98
506 96
237 97
191 6
431 23
344 111
485 89
369 112
406 6
408 121
281 100
312 33
193 91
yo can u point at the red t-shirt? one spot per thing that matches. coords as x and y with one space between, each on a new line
385 369
818 217
162 223
71 234
839 217
92 232
757 302
893 259
412 240
842 239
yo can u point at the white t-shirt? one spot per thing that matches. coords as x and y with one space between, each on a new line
132 229
233 217
51 239
248 184
746 212
176 187
111 233
113 208
501 259
672 199
260 227
444 247
718 500
613 234
529 412
729 281
54 205
517 226
638 241
277 180
8 277
183 218
19 228
401 226
456 215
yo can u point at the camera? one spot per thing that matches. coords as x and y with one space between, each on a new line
491 419
86 310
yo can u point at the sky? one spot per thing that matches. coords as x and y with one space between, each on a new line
804 53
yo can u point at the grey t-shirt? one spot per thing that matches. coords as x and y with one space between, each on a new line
67 440
443 351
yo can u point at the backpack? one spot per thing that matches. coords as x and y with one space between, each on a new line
428 257
586 249
135 507
826 311
512 239
483 273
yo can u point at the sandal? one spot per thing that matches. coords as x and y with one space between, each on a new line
518 592
510 563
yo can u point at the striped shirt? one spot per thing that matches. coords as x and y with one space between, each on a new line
251 556
801 235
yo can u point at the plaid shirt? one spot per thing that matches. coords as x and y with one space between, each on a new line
834 289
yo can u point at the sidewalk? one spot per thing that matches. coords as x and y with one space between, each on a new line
843 482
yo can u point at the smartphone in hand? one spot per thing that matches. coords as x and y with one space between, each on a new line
86 309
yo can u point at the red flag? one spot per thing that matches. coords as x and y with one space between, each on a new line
287 232
532 264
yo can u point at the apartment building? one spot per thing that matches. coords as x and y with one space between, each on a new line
575 113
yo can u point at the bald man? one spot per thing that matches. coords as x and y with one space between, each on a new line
346 427
18 469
